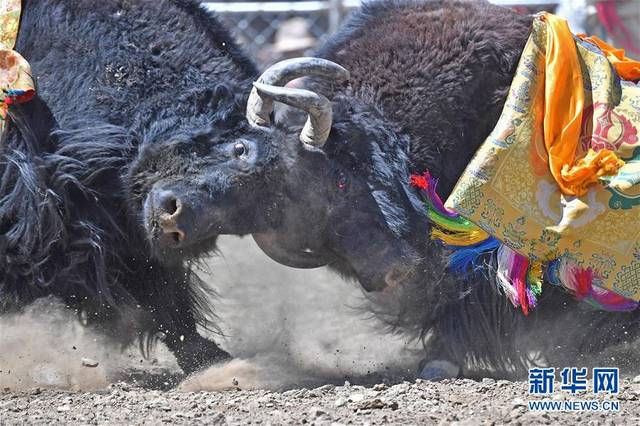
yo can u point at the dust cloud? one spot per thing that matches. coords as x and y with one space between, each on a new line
292 328
46 346
285 327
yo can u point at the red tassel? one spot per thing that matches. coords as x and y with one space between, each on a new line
584 280
419 181
520 277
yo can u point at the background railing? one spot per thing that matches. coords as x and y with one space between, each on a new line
273 30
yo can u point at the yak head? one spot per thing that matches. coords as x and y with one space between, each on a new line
199 174
338 185
334 191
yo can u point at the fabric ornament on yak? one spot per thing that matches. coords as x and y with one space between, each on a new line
16 82
553 193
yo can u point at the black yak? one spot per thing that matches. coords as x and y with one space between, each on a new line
131 96
426 83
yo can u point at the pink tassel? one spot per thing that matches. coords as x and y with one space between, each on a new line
512 278
580 281
503 274
519 278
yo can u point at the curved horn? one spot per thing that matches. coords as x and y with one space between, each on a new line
316 130
260 106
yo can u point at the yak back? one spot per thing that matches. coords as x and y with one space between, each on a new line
441 70
121 61
110 74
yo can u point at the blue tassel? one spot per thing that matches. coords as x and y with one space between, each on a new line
551 273
464 258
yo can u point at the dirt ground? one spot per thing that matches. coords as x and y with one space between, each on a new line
298 336
462 402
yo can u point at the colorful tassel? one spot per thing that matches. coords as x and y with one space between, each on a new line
567 273
505 261
535 277
465 259
448 226
517 277
468 243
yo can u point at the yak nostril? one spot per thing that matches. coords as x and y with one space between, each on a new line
170 205
170 227
168 215
177 236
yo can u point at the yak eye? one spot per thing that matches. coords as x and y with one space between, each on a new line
342 181
239 149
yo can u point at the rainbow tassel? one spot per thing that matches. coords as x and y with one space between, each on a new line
534 278
582 283
448 226
468 243
465 259
517 277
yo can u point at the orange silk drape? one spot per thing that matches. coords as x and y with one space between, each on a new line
627 68
564 102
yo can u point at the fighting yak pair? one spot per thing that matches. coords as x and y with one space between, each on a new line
148 140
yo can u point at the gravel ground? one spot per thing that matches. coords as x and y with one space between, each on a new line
292 331
463 402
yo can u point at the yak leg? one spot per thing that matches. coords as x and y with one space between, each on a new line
178 319
481 328
192 351
437 364
177 303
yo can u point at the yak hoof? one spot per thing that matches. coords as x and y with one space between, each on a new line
199 355
439 370
48 375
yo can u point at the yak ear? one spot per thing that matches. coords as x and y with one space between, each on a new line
35 124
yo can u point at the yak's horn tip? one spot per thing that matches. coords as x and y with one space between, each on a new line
260 87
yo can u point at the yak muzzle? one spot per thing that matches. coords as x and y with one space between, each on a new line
168 218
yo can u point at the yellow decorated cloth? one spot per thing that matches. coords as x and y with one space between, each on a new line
559 176
9 22
16 82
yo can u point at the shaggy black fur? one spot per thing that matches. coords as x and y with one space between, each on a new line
441 70
445 86
428 82
118 81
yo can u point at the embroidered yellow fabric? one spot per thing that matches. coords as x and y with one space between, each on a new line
9 22
511 187
16 82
